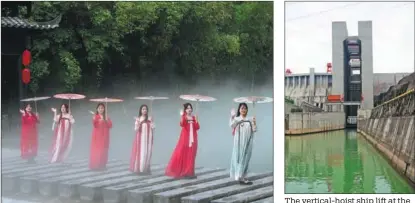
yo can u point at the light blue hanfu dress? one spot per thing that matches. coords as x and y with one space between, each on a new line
243 130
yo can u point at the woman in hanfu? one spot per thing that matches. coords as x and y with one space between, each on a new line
243 130
62 140
182 161
143 143
29 134
100 139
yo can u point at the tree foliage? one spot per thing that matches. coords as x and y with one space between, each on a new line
97 40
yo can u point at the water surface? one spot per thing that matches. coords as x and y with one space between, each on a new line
338 162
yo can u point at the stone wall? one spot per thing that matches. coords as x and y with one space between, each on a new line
394 137
313 122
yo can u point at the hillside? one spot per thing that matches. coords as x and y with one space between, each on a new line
405 84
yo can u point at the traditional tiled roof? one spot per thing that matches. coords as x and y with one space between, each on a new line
16 22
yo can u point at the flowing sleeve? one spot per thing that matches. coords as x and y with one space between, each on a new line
152 125
37 118
24 118
136 125
109 123
183 121
72 120
95 121
233 122
55 121
56 118
254 126
197 125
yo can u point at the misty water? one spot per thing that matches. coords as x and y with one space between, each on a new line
338 162
215 137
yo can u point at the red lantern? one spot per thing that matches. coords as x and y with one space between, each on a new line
26 57
288 72
26 76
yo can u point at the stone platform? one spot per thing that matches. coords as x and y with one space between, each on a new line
72 182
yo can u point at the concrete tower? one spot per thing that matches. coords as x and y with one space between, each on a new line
339 34
365 35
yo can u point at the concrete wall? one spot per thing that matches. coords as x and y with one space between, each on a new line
394 137
339 33
302 123
365 35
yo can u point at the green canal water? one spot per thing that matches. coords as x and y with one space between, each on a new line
338 162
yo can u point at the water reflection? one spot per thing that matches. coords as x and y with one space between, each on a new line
338 162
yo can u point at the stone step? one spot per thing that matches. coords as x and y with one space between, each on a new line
10 180
145 195
252 195
266 200
49 187
119 193
175 195
208 196
92 191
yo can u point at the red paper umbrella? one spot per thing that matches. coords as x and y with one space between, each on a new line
106 100
197 98
253 99
26 76
35 99
69 96
151 98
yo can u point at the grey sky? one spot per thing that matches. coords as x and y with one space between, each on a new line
308 33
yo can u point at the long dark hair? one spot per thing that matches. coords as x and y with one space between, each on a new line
60 109
185 107
103 113
25 106
238 113
140 114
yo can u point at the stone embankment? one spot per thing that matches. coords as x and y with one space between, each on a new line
394 137
390 127
298 123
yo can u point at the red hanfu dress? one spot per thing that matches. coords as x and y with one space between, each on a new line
99 143
62 139
182 161
142 146
29 136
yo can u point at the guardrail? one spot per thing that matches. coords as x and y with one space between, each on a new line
402 105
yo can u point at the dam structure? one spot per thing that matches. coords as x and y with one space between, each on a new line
371 116
349 83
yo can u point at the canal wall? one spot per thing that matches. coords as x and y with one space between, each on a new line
298 123
394 137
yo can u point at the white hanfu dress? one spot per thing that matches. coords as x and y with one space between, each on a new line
243 130
142 146
63 135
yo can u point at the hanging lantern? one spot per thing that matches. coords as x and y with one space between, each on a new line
26 57
26 76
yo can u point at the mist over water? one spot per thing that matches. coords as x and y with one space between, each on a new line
215 135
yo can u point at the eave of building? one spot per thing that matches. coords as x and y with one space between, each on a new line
20 23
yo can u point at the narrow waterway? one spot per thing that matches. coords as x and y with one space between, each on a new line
338 162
